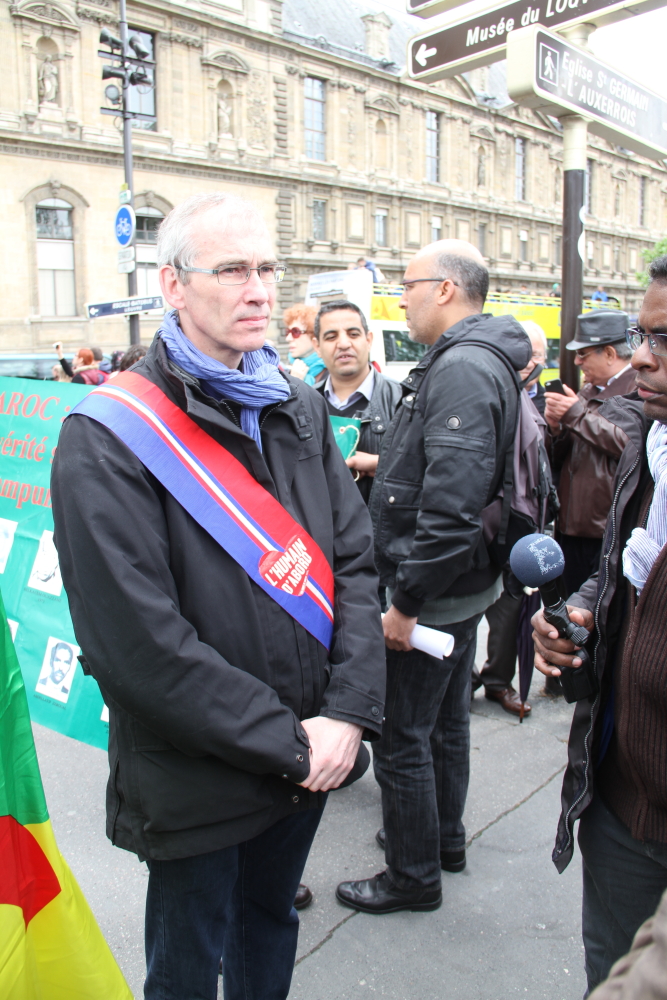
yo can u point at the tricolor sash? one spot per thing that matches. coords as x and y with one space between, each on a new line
221 495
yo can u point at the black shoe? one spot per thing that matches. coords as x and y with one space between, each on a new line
450 861
380 895
303 898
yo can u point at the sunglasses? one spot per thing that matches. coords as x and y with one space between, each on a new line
657 342
295 331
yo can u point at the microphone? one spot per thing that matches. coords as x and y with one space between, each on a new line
538 561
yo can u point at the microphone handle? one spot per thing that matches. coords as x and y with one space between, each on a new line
556 613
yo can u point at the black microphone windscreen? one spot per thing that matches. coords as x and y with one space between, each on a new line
537 559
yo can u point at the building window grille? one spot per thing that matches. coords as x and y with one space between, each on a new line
643 187
617 258
319 219
381 227
481 238
55 258
432 147
148 223
314 118
141 96
436 228
523 244
588 187
520 169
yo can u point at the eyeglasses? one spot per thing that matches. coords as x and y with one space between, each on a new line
584 354
657 342
408 284
238 274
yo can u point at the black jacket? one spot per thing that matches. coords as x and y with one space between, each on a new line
205 676
442 461
604 595
375 420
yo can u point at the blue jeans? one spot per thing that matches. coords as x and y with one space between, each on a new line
422 761
236 903
624 880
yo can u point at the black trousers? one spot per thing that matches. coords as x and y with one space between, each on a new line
582 558
501 652
624 880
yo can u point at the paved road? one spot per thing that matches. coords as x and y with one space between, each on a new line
509 925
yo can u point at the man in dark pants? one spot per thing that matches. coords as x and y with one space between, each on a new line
499 668
585 447
616 778
353 387
202 502
441 464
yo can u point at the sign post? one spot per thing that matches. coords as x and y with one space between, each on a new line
550 74
482 38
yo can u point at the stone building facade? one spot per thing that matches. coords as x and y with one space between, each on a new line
305 109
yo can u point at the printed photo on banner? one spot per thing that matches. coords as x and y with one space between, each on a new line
13 628
7 532
58 668
45 572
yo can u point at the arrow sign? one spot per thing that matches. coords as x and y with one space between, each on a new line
547 73
123 307
482 39
423 54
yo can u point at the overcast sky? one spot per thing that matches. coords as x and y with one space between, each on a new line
636 45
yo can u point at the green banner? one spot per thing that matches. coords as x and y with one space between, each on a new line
59 694
347 431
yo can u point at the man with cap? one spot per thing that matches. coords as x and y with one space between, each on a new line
585 446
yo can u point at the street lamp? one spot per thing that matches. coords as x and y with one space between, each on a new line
130 62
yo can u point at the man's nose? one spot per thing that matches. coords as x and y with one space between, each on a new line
578 361
255 289
643 357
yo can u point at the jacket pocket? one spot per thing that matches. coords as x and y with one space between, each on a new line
398 517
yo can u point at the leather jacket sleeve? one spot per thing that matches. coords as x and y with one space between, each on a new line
588 424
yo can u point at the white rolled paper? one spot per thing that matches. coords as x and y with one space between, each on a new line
429 640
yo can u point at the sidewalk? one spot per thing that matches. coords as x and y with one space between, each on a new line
509 925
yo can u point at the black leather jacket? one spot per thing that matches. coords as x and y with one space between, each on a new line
604 595
375 420
442 461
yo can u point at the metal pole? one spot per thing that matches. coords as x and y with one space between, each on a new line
572 280
135 337
575 140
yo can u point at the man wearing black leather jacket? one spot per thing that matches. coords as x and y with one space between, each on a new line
441 464
615 781
354 387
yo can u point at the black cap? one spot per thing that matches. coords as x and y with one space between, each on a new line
599 327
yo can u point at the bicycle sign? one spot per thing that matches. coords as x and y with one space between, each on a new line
124 224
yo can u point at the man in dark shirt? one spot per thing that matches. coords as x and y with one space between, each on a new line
616 779
354 387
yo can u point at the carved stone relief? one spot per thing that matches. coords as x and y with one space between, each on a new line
257 103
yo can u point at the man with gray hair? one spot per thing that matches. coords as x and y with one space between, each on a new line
441 465
202 501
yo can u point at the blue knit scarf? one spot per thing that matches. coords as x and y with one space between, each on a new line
258 385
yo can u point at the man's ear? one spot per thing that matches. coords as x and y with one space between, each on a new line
172 289
445 292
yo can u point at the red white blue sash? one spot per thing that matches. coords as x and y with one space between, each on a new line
221 495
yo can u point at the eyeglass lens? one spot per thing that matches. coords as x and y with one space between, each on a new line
238 274
657 342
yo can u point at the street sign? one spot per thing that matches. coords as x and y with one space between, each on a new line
124 197
547 73
482 38
124 307
126 254
126 266
125 224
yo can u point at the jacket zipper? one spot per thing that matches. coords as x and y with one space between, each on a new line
598 605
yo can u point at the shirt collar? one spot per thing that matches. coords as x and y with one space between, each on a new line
365 390
618 374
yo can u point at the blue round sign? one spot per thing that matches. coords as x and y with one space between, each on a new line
124 225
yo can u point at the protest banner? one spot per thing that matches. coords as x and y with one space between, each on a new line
60 696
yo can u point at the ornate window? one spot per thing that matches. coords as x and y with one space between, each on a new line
314 118
433 147
319 219
520 169
55 258
381 227
141 96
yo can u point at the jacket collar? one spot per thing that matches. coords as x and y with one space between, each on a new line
627 412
